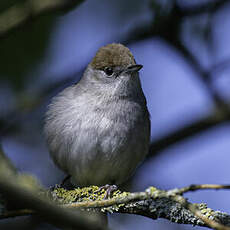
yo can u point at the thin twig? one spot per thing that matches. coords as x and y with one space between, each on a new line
195 187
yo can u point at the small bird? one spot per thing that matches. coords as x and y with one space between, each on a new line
98 130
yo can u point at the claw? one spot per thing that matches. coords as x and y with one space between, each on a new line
109 190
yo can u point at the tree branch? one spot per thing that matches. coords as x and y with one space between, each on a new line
152 203
188 131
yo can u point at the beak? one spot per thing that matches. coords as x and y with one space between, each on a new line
133 68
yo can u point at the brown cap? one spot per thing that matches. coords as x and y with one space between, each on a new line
112 55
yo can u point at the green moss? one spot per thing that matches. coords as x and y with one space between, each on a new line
92 193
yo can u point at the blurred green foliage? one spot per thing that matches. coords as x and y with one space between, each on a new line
5 4
22 49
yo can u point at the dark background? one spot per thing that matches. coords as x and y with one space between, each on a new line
184 48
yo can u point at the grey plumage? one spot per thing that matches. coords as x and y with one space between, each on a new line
98 130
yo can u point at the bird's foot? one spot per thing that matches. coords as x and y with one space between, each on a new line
109 190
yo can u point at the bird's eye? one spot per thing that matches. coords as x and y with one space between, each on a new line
108 71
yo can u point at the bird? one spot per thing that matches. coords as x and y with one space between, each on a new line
98 130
